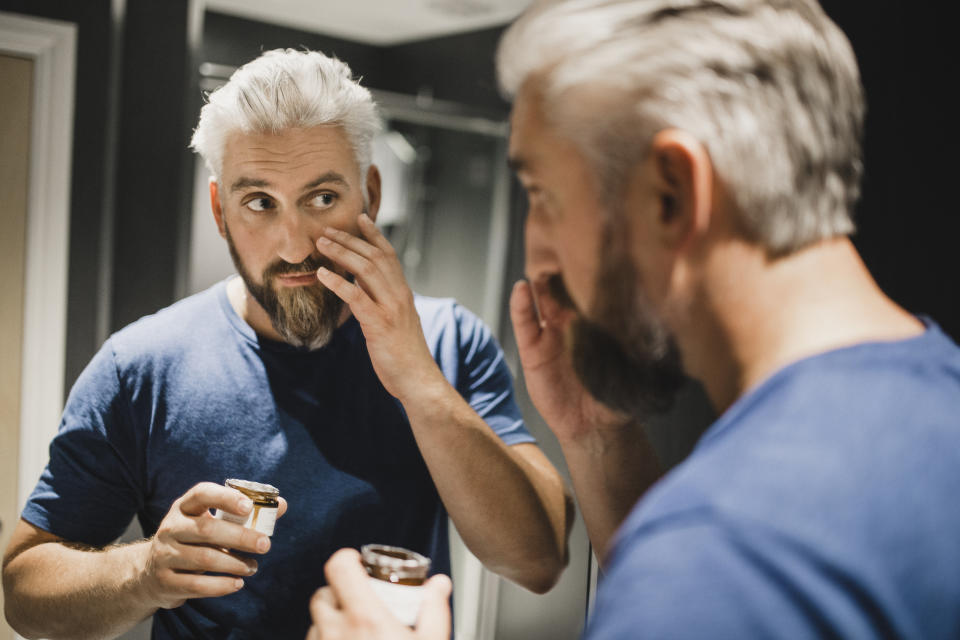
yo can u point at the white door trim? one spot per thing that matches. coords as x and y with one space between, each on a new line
51 44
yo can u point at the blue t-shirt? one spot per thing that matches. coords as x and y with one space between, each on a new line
825 503
192 394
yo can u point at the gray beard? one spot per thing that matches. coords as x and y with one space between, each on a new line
623 355
633 382
305 317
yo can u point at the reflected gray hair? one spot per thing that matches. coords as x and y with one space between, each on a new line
287 89
771 88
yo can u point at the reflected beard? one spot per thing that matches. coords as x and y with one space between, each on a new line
626 359
304 316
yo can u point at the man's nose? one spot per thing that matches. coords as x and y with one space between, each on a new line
298 237
541 257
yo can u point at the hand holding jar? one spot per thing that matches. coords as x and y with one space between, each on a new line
190 543
266 504
348 608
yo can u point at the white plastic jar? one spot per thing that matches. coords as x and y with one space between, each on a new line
397 576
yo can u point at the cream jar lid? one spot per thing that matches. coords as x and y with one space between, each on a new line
253 489
394 563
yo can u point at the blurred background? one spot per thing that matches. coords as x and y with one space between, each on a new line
105 213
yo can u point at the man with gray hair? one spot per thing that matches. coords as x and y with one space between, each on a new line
375 412
692 167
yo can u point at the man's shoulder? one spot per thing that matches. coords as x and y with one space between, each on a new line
828 457
865 392
432 309
824 433
446 316
176 328
929 355
818 438
922 358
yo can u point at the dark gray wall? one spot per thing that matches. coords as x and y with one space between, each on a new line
458 68
908 226
154 167
233 41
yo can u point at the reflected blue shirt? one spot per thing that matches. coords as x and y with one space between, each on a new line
193 394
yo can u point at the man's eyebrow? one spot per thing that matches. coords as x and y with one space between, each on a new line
247 183
329 176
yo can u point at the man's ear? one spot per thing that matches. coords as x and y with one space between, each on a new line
373 191
684 183
215 206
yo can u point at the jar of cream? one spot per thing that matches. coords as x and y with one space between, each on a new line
263 516
397 576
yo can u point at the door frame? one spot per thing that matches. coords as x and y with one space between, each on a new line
51 45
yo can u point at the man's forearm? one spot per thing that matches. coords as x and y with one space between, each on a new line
53 590
508 503
610 470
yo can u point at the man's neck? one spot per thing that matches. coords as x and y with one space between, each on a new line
755 315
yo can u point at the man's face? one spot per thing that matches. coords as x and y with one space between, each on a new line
277 193
622 352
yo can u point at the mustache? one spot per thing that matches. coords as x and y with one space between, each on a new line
309 265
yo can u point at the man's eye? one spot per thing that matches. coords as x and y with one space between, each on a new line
323 200
259 204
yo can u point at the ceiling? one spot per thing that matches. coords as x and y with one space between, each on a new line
377 22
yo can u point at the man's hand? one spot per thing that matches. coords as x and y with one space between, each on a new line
191 542
348 609
382 302
59 589
557 393
508 503
610 459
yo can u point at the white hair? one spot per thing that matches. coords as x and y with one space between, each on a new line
287 89
771 88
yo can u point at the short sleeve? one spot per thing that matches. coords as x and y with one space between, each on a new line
484 379
90 489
